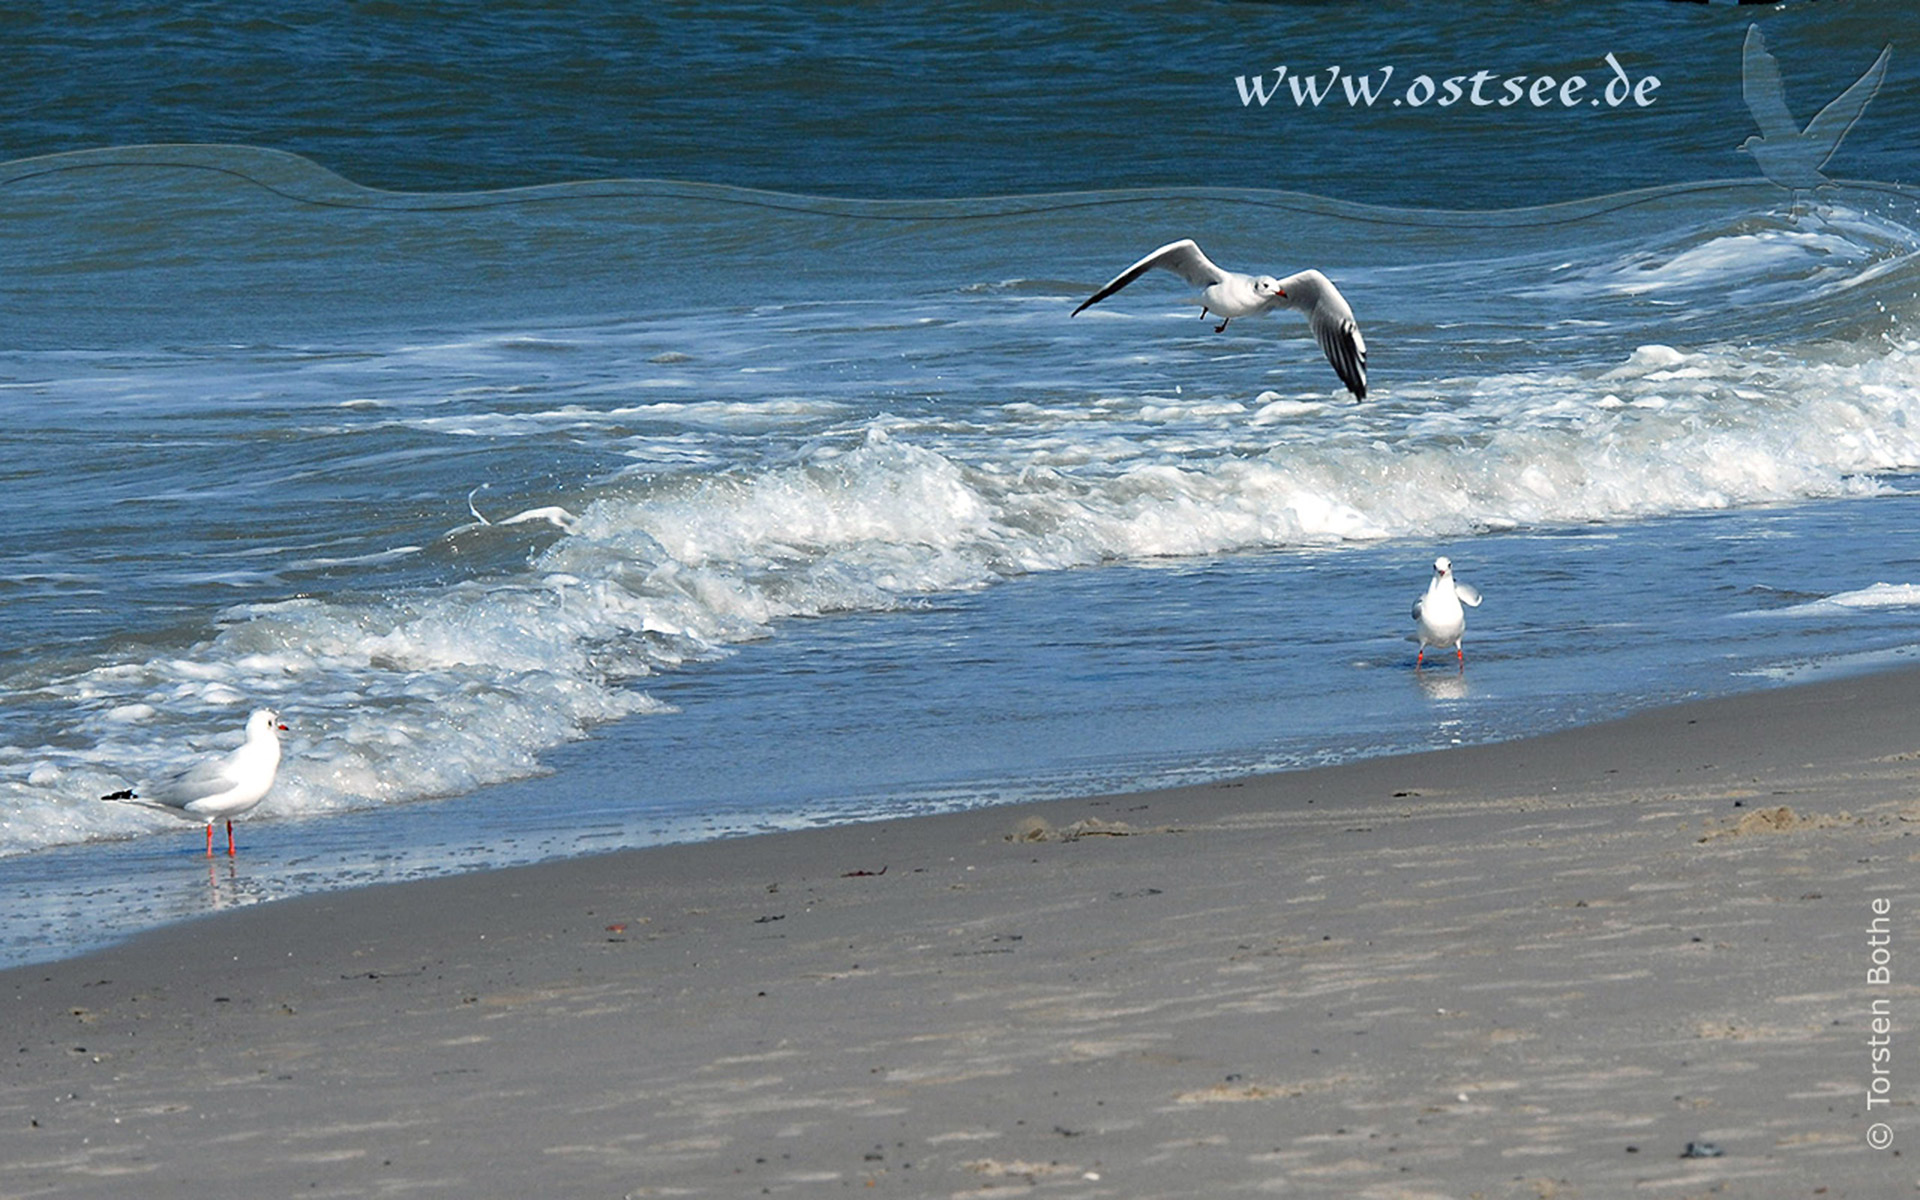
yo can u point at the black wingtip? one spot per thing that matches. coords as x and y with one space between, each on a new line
122 794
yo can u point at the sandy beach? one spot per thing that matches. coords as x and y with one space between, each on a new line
1538 969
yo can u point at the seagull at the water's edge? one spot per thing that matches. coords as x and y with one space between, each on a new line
1789 155
1441 620
1229 294
224 787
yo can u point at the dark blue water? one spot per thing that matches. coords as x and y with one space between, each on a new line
944 99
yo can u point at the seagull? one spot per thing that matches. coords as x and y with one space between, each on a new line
222 787
1789 155
1441 620
1229 294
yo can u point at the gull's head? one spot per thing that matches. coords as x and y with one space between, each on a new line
263 722
1267 285
1442 565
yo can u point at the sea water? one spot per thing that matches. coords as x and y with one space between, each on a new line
603 510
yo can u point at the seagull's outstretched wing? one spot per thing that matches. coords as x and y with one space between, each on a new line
1760 83
1183 258
1340 340
1334 328
1469 594
1833 121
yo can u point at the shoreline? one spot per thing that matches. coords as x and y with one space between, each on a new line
1523 968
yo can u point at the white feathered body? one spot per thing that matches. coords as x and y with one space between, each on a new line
1238 295
231 784
1439 615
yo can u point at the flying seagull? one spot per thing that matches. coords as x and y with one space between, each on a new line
1789 155
221 787
1229 294
1441 620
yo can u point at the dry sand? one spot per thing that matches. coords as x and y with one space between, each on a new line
1539 969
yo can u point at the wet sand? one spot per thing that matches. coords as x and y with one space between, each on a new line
1537 969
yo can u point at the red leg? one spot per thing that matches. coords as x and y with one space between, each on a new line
229 838
209 839
1222 326
1420 658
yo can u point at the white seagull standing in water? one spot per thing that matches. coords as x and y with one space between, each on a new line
1789 155
222 787
1441 620
1229 294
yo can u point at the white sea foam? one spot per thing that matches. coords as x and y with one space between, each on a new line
755 415
1875 596
438 691
1273 408
1880 595
1832 249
